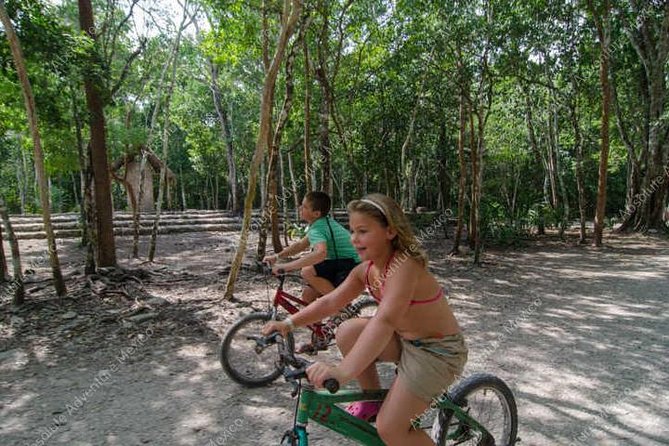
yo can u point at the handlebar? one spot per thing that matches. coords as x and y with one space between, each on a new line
296 367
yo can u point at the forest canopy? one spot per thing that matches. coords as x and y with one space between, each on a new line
370 96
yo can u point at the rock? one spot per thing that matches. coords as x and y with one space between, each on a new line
69 315
157 301
139 318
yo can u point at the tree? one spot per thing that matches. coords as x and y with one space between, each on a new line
165 140
17 281
106 247
646 26
603 25
31 113
290 15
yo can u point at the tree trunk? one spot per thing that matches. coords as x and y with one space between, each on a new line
293 184
462 184
106 252
284 198
226 129
31 113
16 286
602 23
4 272
308 169
477 183
21 175
321 75
650 40
183 190
472 228
283 119
290 16
166 136
580 179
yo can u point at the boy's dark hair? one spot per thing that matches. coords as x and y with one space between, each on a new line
320 201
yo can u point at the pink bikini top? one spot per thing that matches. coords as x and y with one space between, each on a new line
438 296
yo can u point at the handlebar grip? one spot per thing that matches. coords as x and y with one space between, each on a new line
331 384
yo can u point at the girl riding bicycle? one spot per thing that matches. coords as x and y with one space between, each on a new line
413 326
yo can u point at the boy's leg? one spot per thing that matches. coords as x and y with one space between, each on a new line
394 420
319 285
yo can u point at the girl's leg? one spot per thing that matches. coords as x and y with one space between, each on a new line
348 333
394 420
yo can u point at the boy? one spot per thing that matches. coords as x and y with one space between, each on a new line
332 255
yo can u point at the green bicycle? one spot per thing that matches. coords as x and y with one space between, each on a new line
480 410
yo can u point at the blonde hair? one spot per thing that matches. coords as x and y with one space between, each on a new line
388 213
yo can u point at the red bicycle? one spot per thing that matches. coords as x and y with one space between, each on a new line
252 360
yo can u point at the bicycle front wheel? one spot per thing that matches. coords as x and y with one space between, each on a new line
489 401
244 360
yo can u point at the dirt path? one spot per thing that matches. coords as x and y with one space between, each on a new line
579 334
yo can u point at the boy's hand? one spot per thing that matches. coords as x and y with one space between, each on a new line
270 259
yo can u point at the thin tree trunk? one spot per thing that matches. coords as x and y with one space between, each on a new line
293 184
291 14
462 184
226 129
272 205
106 249
31 113
477 167
166 136
21 175
284 199
321 75
472 228
4 272
183 190
149 141
308 185
580 179
16 286
84 173
602 23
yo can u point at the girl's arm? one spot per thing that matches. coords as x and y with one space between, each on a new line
398 291
327 305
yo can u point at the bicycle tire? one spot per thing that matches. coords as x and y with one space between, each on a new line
466 395
238 356
366 304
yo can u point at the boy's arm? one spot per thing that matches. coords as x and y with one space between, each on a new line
289 250
319 253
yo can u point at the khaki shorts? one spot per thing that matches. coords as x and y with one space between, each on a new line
428 366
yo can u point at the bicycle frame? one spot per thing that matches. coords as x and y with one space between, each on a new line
288 302
320 406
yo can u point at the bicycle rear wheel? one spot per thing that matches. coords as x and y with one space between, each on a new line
244 360
489 401
366 307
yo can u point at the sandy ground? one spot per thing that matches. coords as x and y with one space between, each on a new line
579 334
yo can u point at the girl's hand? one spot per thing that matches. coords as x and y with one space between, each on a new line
273 326
318 372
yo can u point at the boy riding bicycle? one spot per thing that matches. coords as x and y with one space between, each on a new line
332 255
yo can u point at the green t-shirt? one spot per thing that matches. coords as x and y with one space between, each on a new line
319 232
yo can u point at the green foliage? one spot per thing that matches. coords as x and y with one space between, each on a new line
383 61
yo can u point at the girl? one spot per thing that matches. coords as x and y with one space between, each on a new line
413 326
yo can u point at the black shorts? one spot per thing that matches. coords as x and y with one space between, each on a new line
335 270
